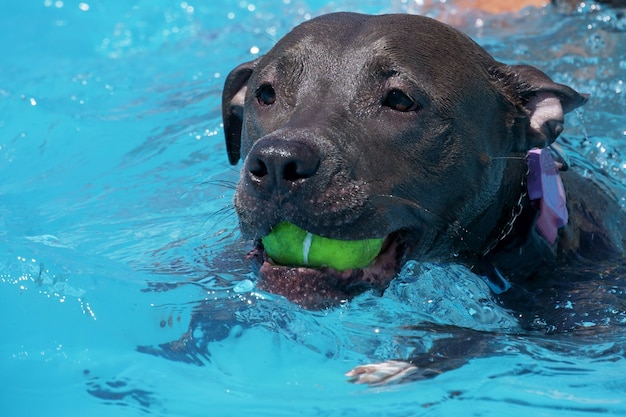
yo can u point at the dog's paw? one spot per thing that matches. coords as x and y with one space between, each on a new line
388 372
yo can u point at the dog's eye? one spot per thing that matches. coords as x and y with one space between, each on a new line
397 100
266 95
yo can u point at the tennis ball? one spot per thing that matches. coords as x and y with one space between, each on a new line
287 244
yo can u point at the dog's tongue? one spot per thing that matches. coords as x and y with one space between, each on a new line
318 288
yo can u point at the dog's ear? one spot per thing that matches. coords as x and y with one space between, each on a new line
546 103
541 103
233 98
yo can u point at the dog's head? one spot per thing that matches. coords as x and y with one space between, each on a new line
393 126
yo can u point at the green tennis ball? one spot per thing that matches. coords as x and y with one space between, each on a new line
287 244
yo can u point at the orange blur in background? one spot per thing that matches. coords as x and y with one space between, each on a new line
500 6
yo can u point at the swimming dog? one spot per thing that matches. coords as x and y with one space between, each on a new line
403 128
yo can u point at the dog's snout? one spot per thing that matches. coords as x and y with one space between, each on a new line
278 164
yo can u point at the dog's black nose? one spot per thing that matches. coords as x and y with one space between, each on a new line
280 164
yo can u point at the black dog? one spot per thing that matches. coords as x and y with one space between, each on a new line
401 127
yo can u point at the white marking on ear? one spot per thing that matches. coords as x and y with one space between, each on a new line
306 247
544 107
546 119
238 101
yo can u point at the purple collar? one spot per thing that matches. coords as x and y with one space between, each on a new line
546 189
544 184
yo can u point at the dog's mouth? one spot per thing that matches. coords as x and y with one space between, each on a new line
318 288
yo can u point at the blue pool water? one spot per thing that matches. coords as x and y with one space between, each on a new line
117 233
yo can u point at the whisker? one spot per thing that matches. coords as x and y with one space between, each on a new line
230 185
405 202
520 158
220 215
221 220
454 226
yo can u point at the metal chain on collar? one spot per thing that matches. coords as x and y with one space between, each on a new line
515 213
